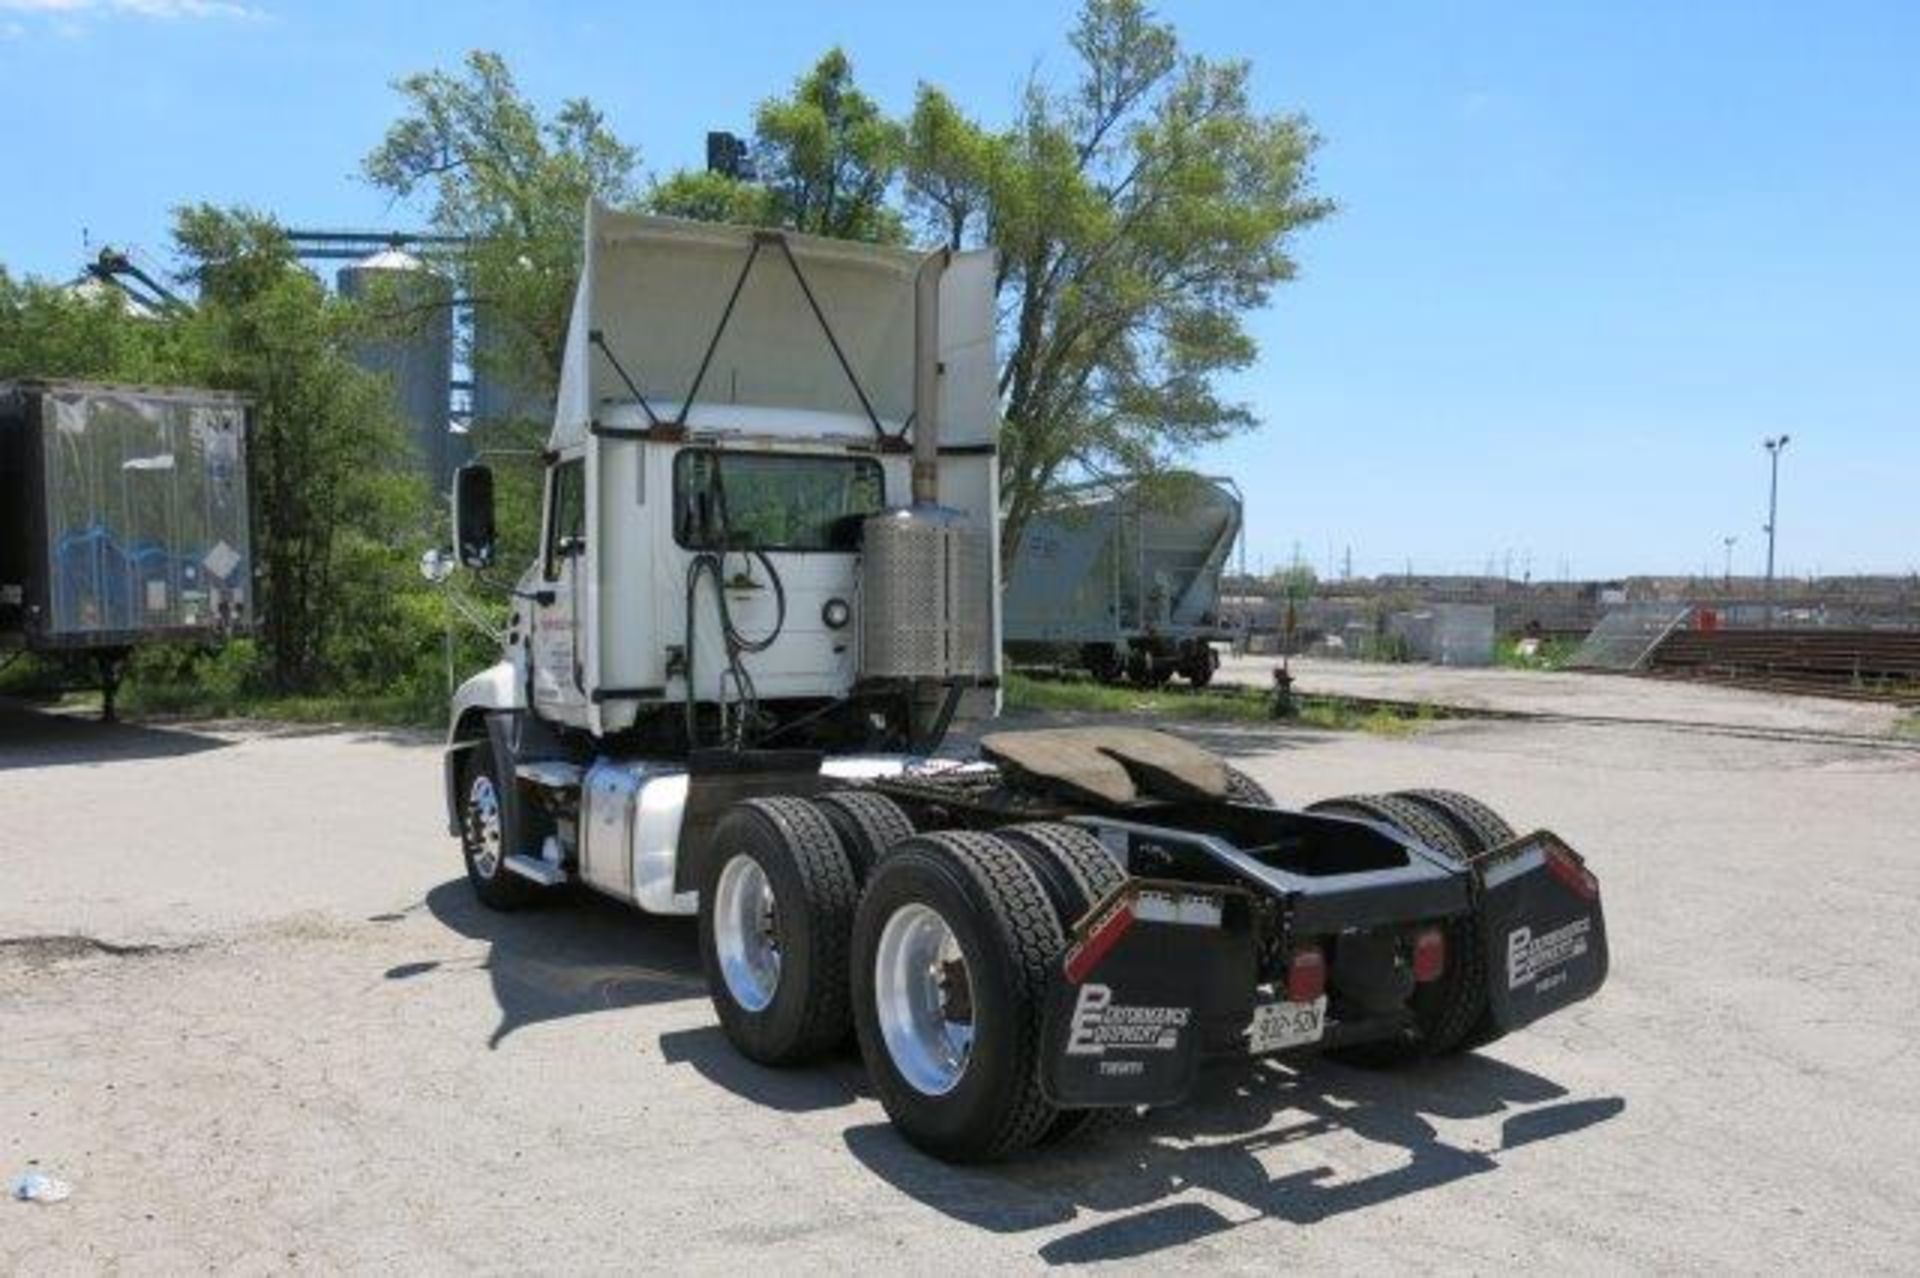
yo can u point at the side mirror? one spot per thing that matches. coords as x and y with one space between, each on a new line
473 534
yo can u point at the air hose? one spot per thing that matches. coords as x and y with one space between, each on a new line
737 645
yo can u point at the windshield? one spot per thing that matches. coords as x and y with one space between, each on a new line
774 501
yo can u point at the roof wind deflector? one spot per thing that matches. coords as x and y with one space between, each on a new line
760 239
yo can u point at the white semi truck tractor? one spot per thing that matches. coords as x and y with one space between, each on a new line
768 584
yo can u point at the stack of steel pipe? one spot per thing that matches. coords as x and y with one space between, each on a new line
1878 665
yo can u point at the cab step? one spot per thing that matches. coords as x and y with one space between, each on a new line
545 873
550 774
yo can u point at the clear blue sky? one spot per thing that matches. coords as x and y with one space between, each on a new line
1587 255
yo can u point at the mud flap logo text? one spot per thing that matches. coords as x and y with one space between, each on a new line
1530 956
1100 1025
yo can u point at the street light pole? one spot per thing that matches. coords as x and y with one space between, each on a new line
1774 446
1728 543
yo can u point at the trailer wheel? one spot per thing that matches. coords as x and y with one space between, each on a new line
1242 788
775 912
1078 874
483 842
1201 661
953 947
867 823
1103 662
1445 1011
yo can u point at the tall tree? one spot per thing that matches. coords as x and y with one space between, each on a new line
1139 214
829 156
47 330
334 504
515 185
1139 217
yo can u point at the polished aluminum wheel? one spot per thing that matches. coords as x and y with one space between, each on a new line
924 996
745 933
484 839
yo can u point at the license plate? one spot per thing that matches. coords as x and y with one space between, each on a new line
1278 1026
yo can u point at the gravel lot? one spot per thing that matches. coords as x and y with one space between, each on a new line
249 1010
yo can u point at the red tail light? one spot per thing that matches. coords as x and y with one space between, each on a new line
1429 954
1569 869
1306 975
1106 934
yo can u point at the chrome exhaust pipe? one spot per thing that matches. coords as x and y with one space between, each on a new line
926 377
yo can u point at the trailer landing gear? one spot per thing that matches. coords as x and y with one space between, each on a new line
111 664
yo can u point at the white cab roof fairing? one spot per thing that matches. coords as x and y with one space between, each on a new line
655 289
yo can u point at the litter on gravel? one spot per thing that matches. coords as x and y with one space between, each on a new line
38 1187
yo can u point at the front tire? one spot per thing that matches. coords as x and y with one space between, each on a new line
952 950
776 908
483 834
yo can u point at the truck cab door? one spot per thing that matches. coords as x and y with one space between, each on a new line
556 654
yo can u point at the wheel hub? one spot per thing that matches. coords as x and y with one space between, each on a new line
923 990
484 838
746 936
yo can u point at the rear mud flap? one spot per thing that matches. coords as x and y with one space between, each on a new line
1545 933
1128 1008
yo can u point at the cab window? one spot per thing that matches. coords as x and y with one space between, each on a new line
566 514
773 501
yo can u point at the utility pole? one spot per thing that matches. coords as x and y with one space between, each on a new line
1775 446
1728 543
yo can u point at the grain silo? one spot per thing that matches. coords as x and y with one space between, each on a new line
414 308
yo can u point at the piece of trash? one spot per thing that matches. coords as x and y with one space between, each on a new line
38 1187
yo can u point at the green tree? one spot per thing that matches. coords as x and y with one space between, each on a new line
712 197
49 330
829 156
1139 217
515 185
337 509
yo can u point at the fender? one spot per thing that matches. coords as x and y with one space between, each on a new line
496 689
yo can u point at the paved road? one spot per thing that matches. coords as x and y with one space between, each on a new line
331 1059
1574 694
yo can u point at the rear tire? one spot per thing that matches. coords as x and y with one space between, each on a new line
776 910
983 1102
1079 873
1478 825
483 834
1445 1011
867 823
1481 829
1242 788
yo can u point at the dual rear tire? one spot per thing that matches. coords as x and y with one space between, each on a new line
1450 1014
940 964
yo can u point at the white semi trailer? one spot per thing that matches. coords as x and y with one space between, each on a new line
767 585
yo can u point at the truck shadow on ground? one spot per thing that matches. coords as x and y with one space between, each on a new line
32 738
1248 1139
1141 1177
578 953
